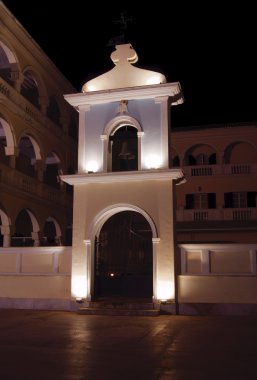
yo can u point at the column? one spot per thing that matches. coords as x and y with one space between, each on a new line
40 168
156 242
82 138
139 149
6 232
105 152
164 124
35 236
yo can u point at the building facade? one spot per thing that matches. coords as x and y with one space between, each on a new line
38 142
218 201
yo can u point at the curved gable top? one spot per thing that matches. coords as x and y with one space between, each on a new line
124 74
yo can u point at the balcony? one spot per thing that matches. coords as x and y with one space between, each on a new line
17 181
32 114
224 169
228 214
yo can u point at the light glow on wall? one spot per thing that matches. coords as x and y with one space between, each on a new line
153 161
157 79
92 166
90 88
165 290
79 286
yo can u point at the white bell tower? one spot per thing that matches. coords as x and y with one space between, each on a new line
123 165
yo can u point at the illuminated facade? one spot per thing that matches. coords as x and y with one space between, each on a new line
218 202
38 142
123 166
158 213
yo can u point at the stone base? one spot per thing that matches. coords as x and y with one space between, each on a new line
166 307
38 304
217 309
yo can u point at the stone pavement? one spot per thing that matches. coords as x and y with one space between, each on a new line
51 345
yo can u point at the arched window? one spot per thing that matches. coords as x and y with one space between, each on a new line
8 64
191 160
23 230
202 159
200 154
212 159
29 88
240 152
3 144
51 232
27 157
5 66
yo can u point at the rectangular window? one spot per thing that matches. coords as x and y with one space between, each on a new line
200 201
241 199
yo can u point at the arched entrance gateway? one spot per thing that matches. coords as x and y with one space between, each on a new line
124 257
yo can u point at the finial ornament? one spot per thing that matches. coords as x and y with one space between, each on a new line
124 74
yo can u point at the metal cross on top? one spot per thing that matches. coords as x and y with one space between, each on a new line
123 20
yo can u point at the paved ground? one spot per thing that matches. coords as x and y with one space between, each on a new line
67 346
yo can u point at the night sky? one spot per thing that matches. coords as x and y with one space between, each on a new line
209 47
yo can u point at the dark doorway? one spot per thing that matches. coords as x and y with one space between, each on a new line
124 257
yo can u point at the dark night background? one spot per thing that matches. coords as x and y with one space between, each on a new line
209 47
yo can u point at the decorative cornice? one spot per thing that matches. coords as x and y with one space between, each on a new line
133 176
128 93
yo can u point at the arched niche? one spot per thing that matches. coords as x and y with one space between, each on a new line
240 152
8 64
122 144
29 153
200 154
51 232
27 229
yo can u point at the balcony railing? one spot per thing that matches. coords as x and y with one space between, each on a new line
224 169
228 214
32 113
19 181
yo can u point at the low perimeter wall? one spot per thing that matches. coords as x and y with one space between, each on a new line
217 279
211 278
36 278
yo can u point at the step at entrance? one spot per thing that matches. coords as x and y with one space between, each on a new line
120 307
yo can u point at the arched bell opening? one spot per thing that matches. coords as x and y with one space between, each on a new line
124 149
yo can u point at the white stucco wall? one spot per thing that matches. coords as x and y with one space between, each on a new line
152 197
93 122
